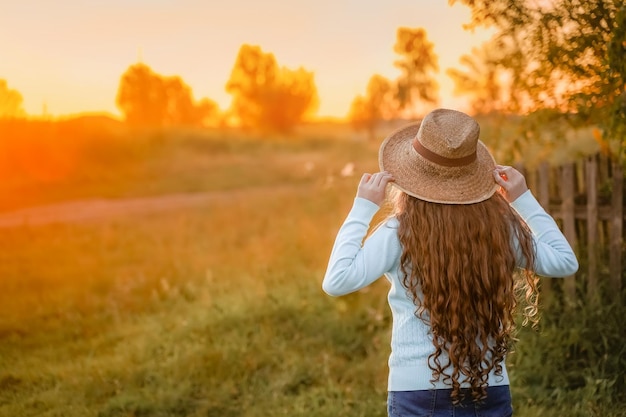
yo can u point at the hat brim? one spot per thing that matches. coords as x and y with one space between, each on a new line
428 181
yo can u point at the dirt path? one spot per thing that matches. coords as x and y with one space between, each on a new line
93 210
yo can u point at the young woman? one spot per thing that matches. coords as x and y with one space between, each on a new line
451 251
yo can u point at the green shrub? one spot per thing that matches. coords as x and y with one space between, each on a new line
574 364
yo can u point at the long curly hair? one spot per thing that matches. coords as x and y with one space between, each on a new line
459 266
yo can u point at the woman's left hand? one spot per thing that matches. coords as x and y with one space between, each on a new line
511 181
372 187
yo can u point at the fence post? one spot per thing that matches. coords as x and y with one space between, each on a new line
569 221
543 185
591 165
616 230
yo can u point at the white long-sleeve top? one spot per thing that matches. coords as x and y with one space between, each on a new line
354 264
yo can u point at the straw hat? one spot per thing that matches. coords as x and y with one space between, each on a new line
440 159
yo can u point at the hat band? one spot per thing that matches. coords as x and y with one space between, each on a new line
442 160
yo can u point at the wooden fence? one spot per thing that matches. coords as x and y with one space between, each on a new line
586 198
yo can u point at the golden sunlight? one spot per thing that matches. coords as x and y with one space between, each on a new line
85 47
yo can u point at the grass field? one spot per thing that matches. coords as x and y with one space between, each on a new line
215 310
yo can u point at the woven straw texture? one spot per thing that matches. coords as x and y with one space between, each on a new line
450 134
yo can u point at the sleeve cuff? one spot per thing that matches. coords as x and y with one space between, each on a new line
364 207
526 204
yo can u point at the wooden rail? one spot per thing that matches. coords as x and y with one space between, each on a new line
586 198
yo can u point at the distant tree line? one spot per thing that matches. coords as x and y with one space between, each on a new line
551 66
266 96
408 95
146 98
558 63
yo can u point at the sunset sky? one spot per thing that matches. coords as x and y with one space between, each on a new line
67 56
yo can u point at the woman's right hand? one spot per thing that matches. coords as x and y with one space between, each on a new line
511 180
372 187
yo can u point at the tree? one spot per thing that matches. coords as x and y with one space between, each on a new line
149 99
181 107
208 113
378 104
565 59
141 96
388 99
10 102
484 79
418 64
269 97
